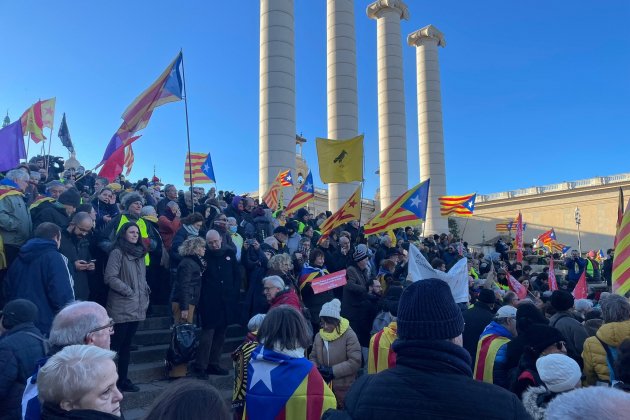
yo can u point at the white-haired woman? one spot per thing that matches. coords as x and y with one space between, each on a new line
278 293
79 382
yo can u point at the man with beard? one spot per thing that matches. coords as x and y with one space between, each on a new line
218 305
76 249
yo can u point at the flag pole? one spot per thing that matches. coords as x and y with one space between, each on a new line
49 143
190 175
28 145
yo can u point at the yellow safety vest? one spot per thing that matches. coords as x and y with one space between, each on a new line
143 233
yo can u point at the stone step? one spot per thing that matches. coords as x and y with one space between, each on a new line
163 336
160 310
155 323
145 373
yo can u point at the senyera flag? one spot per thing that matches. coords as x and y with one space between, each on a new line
305 194
461 205
621 263
411 207
35 118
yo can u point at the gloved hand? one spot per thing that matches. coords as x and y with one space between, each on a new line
326 372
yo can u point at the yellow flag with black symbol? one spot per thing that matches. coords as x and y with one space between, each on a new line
340 160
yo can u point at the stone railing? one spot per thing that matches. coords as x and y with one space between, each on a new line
562 186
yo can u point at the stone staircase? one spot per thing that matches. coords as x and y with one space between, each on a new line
147 369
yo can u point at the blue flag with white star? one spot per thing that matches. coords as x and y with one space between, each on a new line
208 170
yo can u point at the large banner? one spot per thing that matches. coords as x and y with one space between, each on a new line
329 281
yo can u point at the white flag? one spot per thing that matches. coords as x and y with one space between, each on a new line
456 278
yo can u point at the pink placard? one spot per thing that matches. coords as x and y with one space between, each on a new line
329 281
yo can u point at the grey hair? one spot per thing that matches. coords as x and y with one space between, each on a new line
80 217
172 204
71 373
17 175
73 323
255 322
384 239
148 211
231 220
276 281
583 305
615 308
190 245
277 261
594 402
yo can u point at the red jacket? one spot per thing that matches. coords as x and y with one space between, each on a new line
168 228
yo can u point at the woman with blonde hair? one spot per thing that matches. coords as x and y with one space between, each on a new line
281 265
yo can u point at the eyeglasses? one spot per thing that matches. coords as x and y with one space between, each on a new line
109 325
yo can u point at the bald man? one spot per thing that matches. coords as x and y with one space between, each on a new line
218 304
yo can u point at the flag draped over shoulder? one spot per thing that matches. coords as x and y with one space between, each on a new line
308 274
11 146
64 134
38 116
167 88
351 210
381 356
305 194
460 205
456 277
409 208
340 160
621 263
202 170
284 388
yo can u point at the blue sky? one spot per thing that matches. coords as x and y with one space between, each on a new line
533 92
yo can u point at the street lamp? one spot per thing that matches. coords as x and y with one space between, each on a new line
578 220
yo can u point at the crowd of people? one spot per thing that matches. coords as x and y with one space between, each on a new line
84 260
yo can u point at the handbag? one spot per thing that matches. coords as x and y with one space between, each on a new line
184 344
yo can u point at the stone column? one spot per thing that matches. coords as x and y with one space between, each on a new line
392 136
341 84
277 92
430 131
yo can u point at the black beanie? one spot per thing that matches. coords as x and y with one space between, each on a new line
427 311
18 312
527 314
70 197
486 296
542 336
561 300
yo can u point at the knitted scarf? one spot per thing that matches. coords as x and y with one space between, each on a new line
332 336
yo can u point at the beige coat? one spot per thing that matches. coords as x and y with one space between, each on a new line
344 355
128 297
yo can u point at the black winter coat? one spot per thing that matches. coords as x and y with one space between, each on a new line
255 263
19 353
76 249
187 287
476 318
220 286
357 305
51 412
431 380
50 212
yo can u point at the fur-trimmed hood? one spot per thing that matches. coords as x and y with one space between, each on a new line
535 400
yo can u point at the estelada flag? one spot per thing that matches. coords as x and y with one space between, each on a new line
581 290
38 116
285 388
351 210
305 194
409 208
340 160
461 205
202 170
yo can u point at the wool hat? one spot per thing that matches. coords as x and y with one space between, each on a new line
359 254
561 300
559 372
542 336
131 198
281 230
506 311
70 197
427 311
528 314
18 312
486 296
331 309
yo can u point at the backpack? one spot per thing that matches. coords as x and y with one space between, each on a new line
382 320
184 344
611 357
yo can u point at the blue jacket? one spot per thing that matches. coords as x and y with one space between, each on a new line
499 371
575 268
40 274
19 353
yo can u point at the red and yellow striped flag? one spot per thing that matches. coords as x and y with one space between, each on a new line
351 210
621 263
35 118
129 159
201 168
381 356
